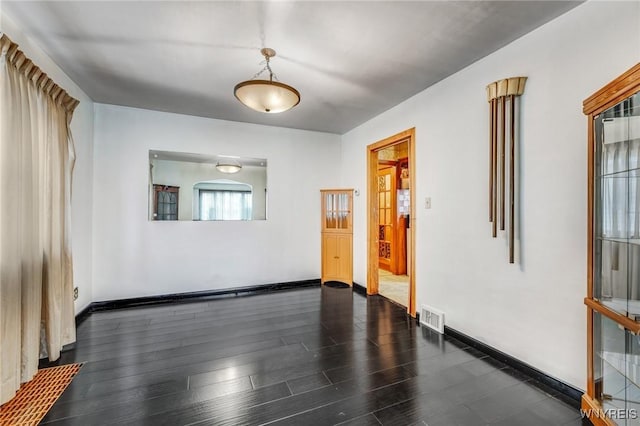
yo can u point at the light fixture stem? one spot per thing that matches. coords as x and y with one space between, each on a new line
269 68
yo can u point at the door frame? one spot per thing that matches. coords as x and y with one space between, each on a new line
372 212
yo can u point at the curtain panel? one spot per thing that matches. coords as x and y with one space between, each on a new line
225 205
36 164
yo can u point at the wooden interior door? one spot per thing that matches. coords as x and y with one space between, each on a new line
387 218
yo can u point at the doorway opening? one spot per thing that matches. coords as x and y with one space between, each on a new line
391 219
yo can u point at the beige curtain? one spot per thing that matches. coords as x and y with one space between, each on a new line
36 164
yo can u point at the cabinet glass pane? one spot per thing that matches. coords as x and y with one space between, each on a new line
633 248
633 207
328 203
612 281
617 370
610 364
612 140
342 220
343 202
613 206
633 378
617 207
632 110
329 211
633 272
343 211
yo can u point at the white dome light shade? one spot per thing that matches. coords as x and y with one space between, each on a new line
228 167
267 96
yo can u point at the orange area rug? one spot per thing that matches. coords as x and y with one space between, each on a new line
35 398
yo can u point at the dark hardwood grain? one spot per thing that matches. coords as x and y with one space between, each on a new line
314 356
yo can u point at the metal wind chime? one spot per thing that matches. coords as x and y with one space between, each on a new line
502 96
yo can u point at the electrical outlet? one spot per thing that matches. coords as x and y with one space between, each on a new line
75 293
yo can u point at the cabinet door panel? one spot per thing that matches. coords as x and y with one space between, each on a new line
330 251
345 265
337 253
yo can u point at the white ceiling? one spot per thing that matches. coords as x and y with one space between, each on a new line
349 60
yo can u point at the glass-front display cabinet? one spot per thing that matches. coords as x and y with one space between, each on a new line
337 235
613 293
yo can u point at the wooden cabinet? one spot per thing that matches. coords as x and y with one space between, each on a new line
613 275
165 202
337 235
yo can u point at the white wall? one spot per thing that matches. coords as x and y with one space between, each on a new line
532 310
82 130
135 257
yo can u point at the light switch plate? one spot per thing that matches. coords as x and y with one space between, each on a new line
427 203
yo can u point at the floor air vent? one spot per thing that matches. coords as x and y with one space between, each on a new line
432 318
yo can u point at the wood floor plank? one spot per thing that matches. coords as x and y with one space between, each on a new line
183 403
124 332
119 348
308 383
211 411
121 379
366 420
227 368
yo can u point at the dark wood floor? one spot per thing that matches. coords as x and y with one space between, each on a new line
303 357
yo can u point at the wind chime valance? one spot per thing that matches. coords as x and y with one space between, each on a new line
502 97
33 73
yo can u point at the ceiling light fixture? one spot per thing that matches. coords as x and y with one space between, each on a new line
267 95
228 167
